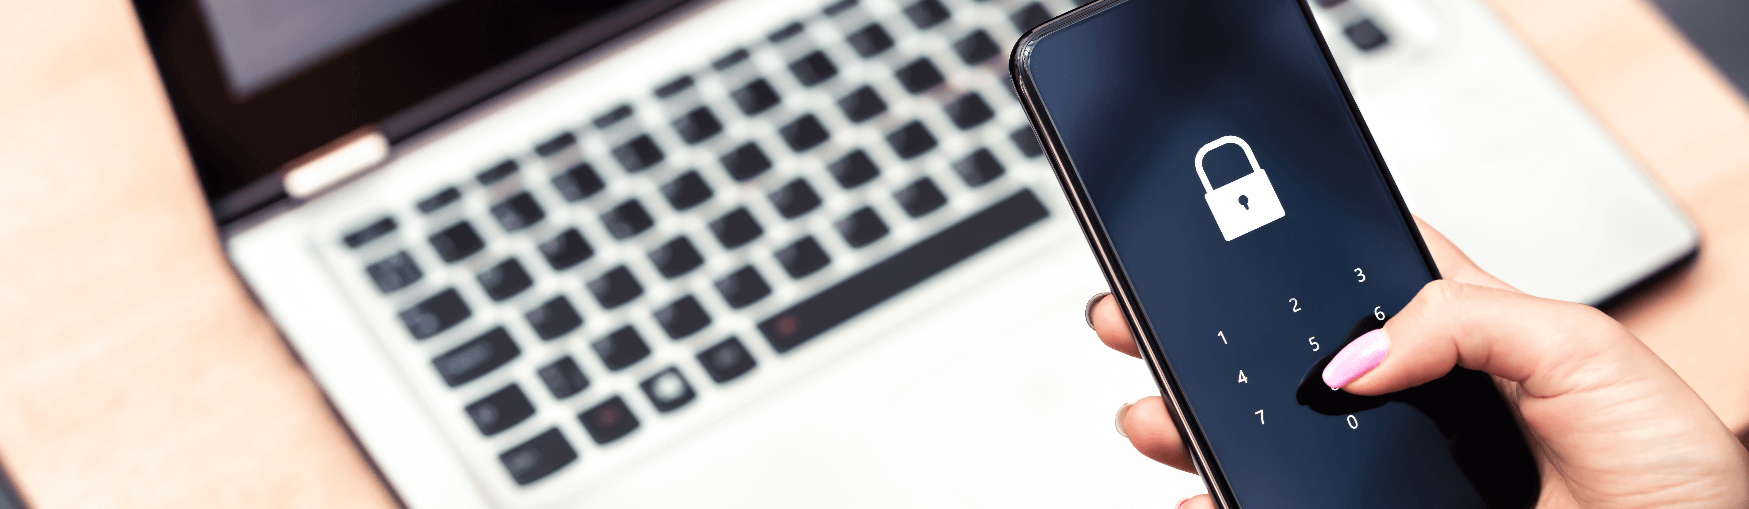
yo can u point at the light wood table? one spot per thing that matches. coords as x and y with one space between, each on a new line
136 372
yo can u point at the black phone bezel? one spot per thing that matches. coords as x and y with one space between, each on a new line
1020 72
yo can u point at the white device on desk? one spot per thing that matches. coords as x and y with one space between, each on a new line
1488 146
756 253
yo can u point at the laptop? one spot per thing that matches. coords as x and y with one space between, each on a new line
660 253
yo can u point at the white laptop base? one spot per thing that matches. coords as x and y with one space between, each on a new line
980 387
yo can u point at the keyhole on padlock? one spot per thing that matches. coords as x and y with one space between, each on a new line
1245 201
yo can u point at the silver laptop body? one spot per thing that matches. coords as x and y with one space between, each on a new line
897 343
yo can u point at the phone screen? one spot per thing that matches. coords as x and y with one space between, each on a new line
1242 202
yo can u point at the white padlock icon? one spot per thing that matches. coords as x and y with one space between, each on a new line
1241 205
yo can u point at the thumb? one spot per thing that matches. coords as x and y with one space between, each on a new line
1536 342
1620 427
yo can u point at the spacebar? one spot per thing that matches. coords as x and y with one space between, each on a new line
841 302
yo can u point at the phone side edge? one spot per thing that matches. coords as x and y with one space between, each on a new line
1372 145
1020 73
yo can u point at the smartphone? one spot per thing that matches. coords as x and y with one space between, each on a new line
1249 229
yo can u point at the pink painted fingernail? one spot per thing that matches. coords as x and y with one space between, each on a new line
1356 359
1181 503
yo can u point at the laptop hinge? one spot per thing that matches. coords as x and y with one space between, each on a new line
335 162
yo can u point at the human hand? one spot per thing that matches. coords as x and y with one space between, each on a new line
1611 425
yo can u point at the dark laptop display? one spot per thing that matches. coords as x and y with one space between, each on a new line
259 83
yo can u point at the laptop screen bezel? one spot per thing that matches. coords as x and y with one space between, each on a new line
405 79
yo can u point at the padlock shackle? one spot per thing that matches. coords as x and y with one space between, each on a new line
1224 140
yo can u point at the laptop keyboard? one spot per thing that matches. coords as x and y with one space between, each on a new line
665 248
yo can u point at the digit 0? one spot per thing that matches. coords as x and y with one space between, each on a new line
1353 423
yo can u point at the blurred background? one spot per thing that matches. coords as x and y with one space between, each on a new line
238 247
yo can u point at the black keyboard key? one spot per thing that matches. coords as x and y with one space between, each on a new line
621 348
674 87
435 314
912 140
785 33
476 357
556 144
613 117
726 361
979 168
736 228
863 104
795 199
927 13
394 273
919 75
375 231
579 182
1027 142
803 258
554 319
438 201
697 125
804 133
500 410
756 97
564 378
729 60
810 318
539 457
871 40
609 421
683 318
743 288
518 212
1030 16
969 110
675 258
862 227
505 280
686 191
839 6
746 162
615 288
639 154
854 169
921 197
976 48
566 250
457 242
496 173
1366 35
668 390
813 69
627 220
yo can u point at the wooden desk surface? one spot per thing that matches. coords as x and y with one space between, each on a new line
136 372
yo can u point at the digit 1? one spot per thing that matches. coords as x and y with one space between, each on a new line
1259 416
1353 423
1223 335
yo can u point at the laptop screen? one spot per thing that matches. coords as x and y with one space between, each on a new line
257 84
260 42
